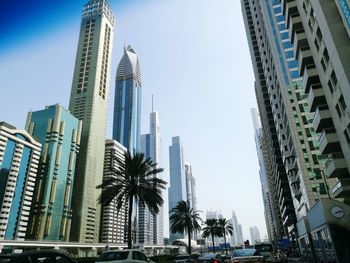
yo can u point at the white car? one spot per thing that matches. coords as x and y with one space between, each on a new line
123 256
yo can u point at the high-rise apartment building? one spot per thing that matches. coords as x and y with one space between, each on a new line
113 222
127 101
150 226
297 50
19 161
89 102
272 220
177 189
254 235
59 133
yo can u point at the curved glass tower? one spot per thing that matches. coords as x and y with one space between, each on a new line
127 101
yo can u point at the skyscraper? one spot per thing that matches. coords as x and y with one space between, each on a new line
151 227
19 161
59 133
254 235
297 49
113 222
127 101
89 102
177 189
271 208
190 187
237 237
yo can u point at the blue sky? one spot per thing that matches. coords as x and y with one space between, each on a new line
194 60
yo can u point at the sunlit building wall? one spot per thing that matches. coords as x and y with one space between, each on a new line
89 103
19 161
59 133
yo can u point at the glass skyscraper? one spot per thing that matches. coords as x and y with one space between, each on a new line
59 133
151 227
89 103
19 161
177 189
127 101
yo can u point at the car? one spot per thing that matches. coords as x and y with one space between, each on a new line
185 258
267 251
123 256
210 258
250 255
37 256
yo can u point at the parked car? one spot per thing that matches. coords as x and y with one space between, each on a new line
37 256
246 255
186 258
123 256
210 258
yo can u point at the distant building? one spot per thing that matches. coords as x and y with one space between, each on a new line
271 207
254 235
151 227
237 237
59 133
177 189
19 162
113 222
190 187
89 103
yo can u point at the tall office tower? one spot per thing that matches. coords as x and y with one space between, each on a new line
177 189
240 239
273 222
59 133
254 235
89 102
113 222
284 109
320 33
190 187
19 161
151 227
127 101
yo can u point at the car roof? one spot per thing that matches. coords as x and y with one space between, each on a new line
31 252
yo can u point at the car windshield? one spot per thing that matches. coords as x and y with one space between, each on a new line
264 247
244 252
113 255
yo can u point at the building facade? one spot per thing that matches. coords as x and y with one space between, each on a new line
190 187
237 237
113 221
150 226
177 189
59 133
254 235
127 101
271 219
19 162
296 49
89 103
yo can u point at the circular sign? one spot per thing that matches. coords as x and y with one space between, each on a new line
337 212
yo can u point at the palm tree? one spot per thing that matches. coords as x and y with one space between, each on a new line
133 180
184 219
211 229
226 228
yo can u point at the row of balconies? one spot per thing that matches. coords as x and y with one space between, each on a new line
335 166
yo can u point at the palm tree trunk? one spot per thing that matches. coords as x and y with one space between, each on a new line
189 242
225 242
212 238
129 222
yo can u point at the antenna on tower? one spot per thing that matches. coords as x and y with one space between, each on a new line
152 102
